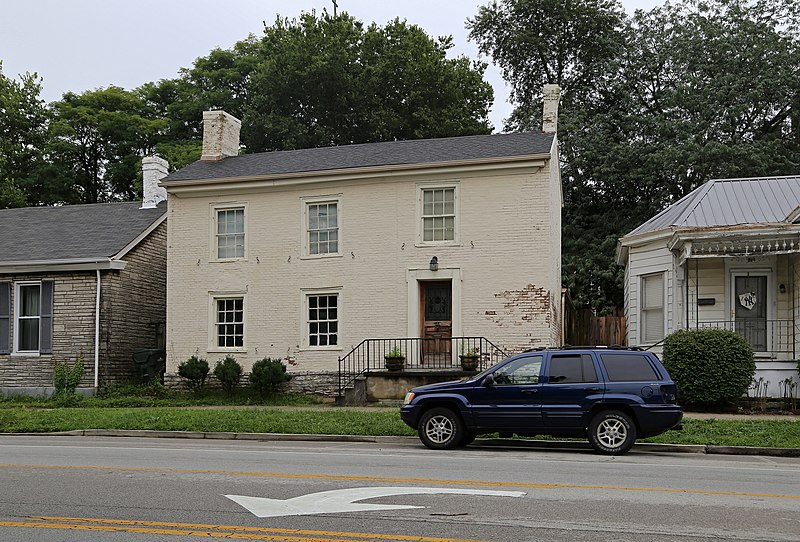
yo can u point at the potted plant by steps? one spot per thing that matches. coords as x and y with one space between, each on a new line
394 359
469 359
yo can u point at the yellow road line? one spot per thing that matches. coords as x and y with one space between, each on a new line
213 531
246 529
397 480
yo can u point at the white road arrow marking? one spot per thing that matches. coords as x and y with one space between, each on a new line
344 500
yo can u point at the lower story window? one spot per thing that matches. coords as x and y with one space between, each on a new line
323 320
28 318
230 322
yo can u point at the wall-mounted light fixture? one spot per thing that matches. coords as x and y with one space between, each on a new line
782 288
434 265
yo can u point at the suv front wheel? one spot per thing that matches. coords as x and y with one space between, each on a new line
441 429
612 432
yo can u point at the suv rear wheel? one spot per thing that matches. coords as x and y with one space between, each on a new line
441 429
612 432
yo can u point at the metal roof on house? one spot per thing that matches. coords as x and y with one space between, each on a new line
72 232
730 202
390 153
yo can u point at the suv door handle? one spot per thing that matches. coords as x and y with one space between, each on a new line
595 389
530 391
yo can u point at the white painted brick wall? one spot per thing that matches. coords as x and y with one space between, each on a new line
509 257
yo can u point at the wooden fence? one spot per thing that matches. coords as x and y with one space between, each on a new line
583 328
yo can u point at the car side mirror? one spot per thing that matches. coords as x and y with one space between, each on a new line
489 381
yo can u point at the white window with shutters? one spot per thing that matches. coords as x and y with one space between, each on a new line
652 323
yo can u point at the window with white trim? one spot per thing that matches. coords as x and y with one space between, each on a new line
322 227
27 317
438 214
229 322
652 308
322 320
230 232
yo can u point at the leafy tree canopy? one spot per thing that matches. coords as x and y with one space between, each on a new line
322 80
653 106
23 118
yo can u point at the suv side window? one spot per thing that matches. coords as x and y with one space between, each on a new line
628 368
519 372
572 369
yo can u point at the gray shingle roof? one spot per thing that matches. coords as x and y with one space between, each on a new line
72 231
418 151
730 202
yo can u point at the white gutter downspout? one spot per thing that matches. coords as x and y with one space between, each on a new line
97 334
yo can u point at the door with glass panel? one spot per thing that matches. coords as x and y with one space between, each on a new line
750 302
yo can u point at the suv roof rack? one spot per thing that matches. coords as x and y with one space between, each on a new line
577 347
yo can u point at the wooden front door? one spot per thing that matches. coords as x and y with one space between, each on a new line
437 321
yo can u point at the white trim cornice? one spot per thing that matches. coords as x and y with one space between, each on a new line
40 266
391 171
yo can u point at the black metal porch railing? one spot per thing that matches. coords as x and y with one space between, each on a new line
771 336
418 354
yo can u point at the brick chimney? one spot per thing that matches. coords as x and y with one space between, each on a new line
220 135
552 95
153 170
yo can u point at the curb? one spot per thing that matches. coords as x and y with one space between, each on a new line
489 443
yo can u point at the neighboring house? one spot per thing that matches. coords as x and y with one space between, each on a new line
724 256
82 280
302 255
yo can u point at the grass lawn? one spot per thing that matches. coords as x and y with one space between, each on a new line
36 418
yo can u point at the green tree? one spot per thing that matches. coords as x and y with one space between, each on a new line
324 80
23 118
700 90
96 143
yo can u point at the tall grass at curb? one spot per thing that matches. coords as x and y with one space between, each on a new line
343 421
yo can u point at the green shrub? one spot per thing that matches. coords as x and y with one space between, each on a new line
268 374
66 379
711 367
228 372
195 370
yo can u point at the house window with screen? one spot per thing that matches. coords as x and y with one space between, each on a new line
438 214
652 308
323 320
323 227
230 233
229 322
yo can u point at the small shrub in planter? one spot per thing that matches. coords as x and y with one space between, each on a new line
267 375
228 372
394 359
195 370
711 367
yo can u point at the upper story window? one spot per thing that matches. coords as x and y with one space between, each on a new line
230 232
438 214
652 308
323 228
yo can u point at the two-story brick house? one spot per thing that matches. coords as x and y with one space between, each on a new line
302 255
82 280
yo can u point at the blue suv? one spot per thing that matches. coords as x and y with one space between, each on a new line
612 396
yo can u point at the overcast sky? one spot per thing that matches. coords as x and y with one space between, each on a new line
80 45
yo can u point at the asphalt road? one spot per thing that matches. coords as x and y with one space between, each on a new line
136 489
